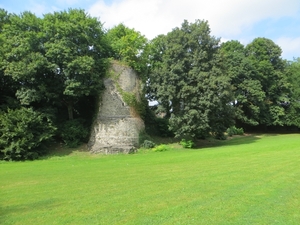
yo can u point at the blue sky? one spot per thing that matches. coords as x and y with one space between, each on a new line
241 20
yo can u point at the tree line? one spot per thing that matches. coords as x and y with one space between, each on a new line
52 69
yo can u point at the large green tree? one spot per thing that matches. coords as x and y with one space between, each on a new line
247 88
187 78
265 57
76 52
57 59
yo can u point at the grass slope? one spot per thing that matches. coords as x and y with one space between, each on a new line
248 180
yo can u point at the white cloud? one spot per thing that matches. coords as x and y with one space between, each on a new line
227 17
289 47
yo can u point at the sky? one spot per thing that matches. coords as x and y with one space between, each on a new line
242 20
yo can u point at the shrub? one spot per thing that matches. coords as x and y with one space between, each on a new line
143 136
22 132
148 144
160 148
220 136
74 132
187 143
235 131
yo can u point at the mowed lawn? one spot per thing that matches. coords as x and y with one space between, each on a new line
246 180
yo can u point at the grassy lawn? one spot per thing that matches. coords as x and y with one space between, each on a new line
246 180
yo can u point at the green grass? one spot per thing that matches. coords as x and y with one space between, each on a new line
248 180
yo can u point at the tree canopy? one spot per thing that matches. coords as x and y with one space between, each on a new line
265 55
59 58
188 80
130 46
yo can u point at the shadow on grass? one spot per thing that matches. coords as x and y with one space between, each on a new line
9 211
234 140
60 150
211 142
247 138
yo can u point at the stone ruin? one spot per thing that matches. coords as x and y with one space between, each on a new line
117 126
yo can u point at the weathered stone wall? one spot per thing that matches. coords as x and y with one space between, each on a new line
117 128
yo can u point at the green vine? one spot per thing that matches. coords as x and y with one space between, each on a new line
131 100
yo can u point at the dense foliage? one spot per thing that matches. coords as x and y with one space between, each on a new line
22 132
187 79
261 89
129 46
51 71
292 117
57 59
235 131
74 132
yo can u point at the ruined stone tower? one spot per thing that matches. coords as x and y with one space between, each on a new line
117 125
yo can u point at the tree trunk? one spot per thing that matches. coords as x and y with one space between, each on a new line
70 110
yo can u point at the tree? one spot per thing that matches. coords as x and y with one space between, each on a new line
265 56
76 50
130 46
58 59
293 106
187 78
247 89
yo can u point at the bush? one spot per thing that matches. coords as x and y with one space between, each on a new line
187 143
74 132
148 144
220 136
143 136
22 132
160 148
235 131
